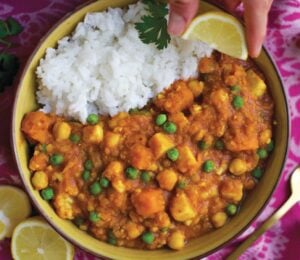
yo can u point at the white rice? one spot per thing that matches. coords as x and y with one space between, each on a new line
104 67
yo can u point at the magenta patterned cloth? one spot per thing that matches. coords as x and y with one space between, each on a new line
283 41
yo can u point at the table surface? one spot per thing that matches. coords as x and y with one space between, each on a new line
283 41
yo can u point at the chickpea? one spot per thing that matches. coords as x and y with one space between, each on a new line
238 167
61 131
134 230
219 219
265 137
176 240
40 180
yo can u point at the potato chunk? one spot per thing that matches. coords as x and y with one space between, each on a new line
63 204
256 85
167 179
160 143
232 190
36 126
175 99
133 229
111 139
61 131
181 208
148 202
115 173
186 161
93 134
141 157
38 162
207 65
180 120
196 87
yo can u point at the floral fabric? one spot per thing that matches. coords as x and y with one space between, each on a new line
283 41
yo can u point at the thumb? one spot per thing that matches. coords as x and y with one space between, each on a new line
181 13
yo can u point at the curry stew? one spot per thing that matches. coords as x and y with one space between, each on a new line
166 173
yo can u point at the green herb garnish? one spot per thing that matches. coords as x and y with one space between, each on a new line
153 27
9 63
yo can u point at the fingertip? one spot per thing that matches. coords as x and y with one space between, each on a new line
254 42
181 13
254 52
176 24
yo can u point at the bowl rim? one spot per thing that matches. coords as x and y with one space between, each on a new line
43 213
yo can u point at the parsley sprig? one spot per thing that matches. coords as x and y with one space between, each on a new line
153 27
9 63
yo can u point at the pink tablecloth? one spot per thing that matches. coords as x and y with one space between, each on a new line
283 40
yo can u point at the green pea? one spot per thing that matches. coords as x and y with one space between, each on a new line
86 175
56 159
148 238
270 146
131 173
47 193
161 119
92 119
146 177
88 165
133 111
44 148
235 89
231 209
95 188
238 102
169 127
104 182
94 216
262 153
164 229
74 138
78 221
208 166
219 144
173 154
181 184
111 238
112 241
257 173
202 145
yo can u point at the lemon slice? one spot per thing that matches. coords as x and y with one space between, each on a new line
221 31
3 225
14 207
34 239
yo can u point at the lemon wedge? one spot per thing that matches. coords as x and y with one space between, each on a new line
14 207
221 31
34 239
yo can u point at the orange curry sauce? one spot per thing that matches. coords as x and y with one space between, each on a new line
132 181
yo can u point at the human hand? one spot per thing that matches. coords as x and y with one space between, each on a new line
255 15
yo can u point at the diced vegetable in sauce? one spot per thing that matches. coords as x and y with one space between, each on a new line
164 174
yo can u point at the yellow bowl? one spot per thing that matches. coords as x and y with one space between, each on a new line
25 102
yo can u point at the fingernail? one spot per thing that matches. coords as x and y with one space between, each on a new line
176 24
254 53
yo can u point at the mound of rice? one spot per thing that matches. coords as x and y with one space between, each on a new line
104 67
